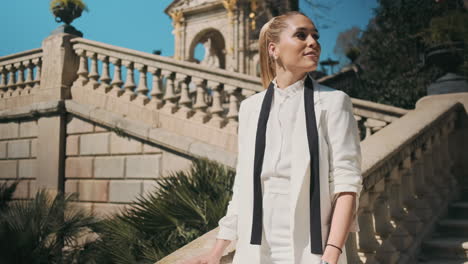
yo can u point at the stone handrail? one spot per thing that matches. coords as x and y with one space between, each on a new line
408 181
187 90
13 69
372 117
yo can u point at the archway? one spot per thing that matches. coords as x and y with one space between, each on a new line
215 48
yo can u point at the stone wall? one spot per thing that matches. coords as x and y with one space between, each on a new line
108 170
18 142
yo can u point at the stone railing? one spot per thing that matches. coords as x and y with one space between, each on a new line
411 170
372 117
20 73
184 90
190 91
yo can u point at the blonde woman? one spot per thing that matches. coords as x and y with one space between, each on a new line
298 175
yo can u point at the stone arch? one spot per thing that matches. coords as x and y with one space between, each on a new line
215 47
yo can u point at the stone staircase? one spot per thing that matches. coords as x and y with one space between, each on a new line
448 243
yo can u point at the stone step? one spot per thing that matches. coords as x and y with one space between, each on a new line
453 227
458 210
446 247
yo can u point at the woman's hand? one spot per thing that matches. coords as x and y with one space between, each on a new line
208 258
212 257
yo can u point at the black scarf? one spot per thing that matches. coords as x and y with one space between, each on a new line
312 136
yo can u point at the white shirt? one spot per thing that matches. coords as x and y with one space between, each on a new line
277 158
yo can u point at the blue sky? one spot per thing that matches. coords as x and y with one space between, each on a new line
142 25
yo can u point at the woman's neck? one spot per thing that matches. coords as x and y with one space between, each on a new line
286 78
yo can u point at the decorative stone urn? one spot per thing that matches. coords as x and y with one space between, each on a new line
448 57
67 11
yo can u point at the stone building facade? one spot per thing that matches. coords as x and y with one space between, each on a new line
228 29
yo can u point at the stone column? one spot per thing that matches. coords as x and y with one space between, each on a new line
51 152
59 67
59 71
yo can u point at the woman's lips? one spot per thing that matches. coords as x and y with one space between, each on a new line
312 55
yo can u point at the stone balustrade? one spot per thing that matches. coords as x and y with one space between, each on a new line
20 73
372 117
411 170
188 91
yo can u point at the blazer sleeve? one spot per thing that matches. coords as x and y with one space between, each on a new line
344 150
228 224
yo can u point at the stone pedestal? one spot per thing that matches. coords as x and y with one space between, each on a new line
449 83
60 65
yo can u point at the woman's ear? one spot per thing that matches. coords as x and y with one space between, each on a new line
272 50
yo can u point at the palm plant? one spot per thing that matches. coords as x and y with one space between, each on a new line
185 205
42 230
6 194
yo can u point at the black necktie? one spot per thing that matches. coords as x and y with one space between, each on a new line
312 137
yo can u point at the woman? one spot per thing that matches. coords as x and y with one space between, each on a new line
298 176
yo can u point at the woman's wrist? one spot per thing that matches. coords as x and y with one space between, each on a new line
219 247
331 254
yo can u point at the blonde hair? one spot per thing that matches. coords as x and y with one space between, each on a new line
270 32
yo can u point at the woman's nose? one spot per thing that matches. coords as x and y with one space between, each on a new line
312 42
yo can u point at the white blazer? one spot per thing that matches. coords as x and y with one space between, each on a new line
340 170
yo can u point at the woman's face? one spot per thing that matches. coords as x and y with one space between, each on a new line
298 49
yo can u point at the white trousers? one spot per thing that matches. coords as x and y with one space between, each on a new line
276 241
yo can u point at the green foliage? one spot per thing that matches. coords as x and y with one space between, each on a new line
42 230
391 49
6 194
185 205
452 26
57 3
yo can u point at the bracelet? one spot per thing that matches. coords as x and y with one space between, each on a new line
335 247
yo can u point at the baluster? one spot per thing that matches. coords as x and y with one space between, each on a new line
445 163
142 90
412 222
156 101
117 82
246 93
129 85
169 96
400 237
417 199
433 192
373 125
93 73
216 108
366 236
439 176
386 253
233 112
448 159
83 67
29 77
105 77
20 79
3 81
185 103
200 104
11 80
37 79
